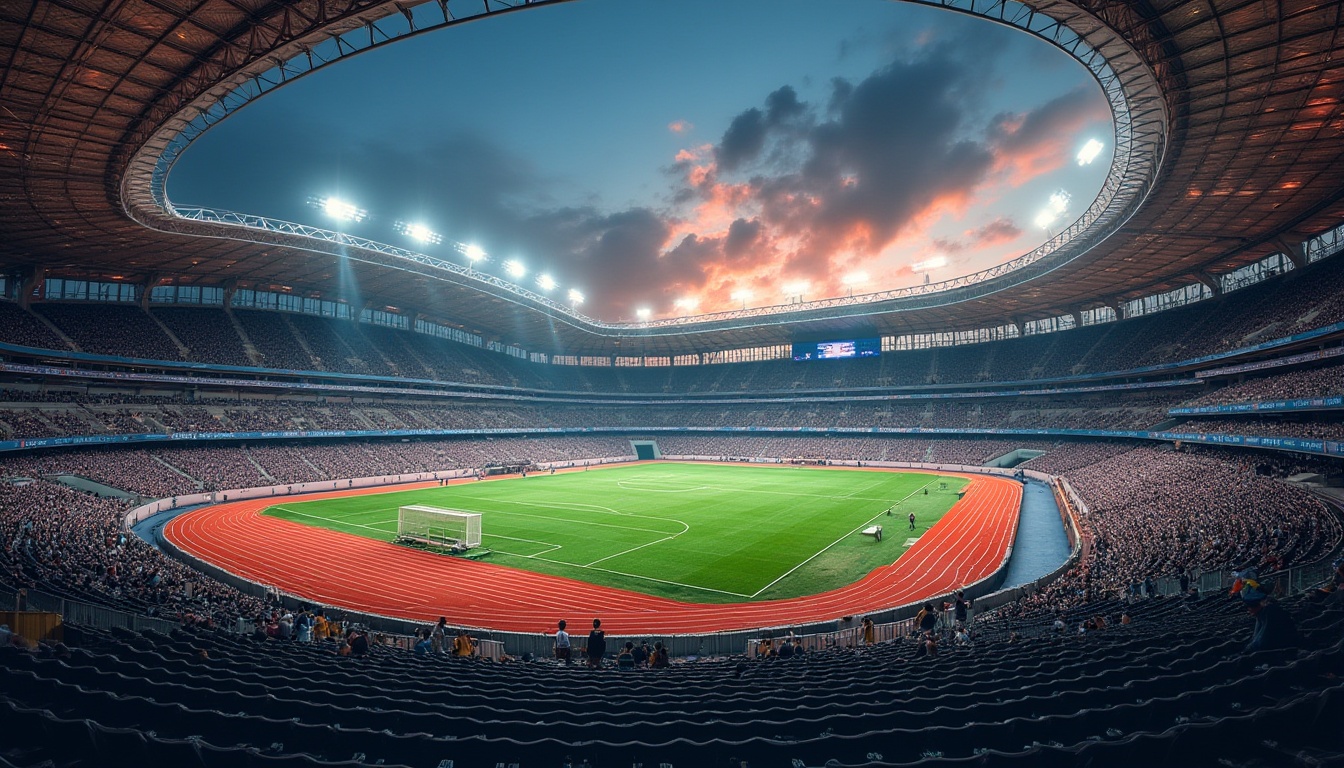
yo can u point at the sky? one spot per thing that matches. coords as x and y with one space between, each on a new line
683 157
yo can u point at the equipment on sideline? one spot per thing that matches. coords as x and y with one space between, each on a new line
439 527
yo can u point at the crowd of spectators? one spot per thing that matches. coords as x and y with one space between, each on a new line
71 543
26 414
1153 513
84 415
206 333
111 329
134 470
1273 427
1302 383
179 470
25 329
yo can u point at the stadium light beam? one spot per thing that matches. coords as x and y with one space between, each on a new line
743 295
575 298
643 313
515 269
546 282
473 252
688 303
1090 151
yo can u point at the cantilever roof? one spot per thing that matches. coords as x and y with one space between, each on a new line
1253 94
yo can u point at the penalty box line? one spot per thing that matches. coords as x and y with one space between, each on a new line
819 552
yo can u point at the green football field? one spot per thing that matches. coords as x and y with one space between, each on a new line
694 532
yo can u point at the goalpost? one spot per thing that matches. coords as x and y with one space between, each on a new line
439 527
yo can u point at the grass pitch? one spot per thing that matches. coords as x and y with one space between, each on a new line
695 532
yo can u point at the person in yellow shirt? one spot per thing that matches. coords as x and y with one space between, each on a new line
464 645
321 628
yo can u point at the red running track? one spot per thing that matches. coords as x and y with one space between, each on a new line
352 572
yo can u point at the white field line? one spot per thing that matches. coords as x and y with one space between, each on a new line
553 547
632 549
837 541
647 578
634 485
329 520
791 493
850 495
602 525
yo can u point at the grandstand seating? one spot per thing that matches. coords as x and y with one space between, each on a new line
305 342
1172 683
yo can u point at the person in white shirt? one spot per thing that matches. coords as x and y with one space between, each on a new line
562 650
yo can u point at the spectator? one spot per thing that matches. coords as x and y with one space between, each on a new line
464 645
626 658
1274 629
562 644
659 659
597 645
358 643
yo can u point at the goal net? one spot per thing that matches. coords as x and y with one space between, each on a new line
439 527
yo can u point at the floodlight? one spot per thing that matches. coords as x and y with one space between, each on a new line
419 233
1090 151
1054 207
515 268
688 303
575 297
546 282
643 313
1059 202
342 210
473 252
742 295
930 263
855 278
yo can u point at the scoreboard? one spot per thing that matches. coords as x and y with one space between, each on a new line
837 350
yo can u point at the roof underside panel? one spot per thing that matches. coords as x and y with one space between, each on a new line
1255 159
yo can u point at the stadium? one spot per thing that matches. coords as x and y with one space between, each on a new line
282 491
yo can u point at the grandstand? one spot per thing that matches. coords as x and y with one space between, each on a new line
1169 373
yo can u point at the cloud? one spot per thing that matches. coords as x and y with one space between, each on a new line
680 126
746 136
743 140
1000 230
1029 144
742 237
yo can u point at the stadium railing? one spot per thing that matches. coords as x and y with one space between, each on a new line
81 613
